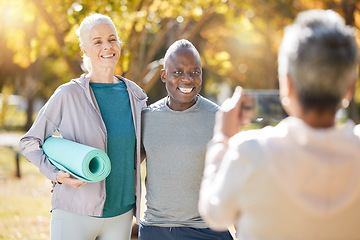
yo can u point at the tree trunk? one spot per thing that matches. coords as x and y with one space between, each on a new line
29 113
31 88
74 66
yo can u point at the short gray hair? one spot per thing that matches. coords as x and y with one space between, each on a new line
319 53
182 43
86 26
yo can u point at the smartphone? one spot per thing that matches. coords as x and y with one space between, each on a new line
264 106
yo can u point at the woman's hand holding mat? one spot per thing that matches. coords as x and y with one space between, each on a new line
83 162
66 178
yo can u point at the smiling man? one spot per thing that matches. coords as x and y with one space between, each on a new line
175 132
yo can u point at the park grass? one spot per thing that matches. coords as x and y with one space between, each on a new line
24 202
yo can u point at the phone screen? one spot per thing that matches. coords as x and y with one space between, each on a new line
265 104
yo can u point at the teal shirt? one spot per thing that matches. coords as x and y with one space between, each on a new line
114 103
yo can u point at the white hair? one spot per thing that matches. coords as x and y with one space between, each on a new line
319 53
86 26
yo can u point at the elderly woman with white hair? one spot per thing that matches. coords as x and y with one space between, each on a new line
301 178
103 111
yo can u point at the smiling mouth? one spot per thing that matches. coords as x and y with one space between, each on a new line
108 56
185 90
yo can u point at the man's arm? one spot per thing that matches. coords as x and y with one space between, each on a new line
217 204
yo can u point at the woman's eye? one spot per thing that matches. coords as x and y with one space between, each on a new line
112 40
98 42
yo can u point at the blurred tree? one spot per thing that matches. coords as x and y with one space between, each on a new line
237 40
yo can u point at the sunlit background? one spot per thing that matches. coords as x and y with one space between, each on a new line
237 39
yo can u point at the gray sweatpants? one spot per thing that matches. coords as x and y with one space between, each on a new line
70 226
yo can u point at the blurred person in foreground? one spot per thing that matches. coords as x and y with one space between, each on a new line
103 111
175 132
301 178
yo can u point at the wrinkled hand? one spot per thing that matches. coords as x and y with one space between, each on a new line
234 113
65 178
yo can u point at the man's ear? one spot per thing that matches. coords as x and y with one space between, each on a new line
83 50
163 75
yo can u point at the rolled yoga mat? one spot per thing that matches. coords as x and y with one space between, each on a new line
83 162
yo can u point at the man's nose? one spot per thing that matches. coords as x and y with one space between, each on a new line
187 77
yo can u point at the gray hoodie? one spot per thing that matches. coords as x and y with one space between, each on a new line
72 111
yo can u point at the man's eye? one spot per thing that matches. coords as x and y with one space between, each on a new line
196 73
178 72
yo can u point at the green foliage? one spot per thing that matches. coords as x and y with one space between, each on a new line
237 40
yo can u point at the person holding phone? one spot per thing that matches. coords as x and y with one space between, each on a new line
301 178
100 110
